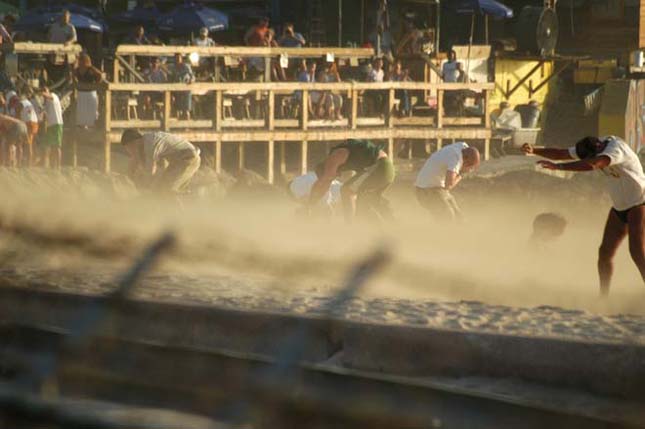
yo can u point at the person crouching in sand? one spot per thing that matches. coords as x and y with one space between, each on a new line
626 184
441 173
149 153
299 189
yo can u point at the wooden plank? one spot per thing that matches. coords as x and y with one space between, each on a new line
262 136
166 111
107 153
487 124
440 95
41 48
115 70
130 67
390 114
287 87
243 51
137 123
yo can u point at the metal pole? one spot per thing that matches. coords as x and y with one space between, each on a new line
437 31
340 23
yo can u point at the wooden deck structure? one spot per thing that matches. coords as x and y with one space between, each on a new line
271 130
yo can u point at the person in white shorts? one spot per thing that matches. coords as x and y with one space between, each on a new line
442 172
626 184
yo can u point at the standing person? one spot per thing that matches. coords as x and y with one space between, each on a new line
440 174
451 71
150 151
62 31
15 136
183 73
363 193
87 103
256 35
402 75
377 74
138 37
291 39
26 113
203 40
626 184
53 142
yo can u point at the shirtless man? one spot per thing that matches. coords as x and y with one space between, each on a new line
15 136
362 193
150 152
442 172
626 185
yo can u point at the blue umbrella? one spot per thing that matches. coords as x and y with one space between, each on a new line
189 18
41 19
484 7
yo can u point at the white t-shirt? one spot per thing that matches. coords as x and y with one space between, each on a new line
376 75
625 178
28 113
450 72
300 188
433 172
53 110
160 145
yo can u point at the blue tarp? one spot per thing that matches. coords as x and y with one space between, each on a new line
37 19
484 7
189 18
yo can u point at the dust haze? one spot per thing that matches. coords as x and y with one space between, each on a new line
84 222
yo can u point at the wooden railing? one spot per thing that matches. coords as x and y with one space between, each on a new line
271 129
41 48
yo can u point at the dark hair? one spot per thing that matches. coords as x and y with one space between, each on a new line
130 135
588 147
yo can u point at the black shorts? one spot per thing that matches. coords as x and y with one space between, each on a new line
622 214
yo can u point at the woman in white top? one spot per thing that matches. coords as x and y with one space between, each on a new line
626 185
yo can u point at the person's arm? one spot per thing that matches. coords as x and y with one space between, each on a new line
549 153
452 178
590 164
333 163
72 38
300 38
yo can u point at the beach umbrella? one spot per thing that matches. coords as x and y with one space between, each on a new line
188 18
44 18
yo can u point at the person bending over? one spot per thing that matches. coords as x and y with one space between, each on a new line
363 193
440 174
626 184
168 161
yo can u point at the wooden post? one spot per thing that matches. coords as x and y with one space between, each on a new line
439 115
240 156
353 119
74 104
166 111
267 69
304 110
115 70
107 160
217 126
303 157
270 125
270 161
389 121
283 158
486 124
133 64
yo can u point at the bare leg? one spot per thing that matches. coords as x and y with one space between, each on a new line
636 227
58 156
615 232
47 157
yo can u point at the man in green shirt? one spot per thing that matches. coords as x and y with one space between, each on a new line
363 193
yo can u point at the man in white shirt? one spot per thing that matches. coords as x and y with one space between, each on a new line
377 98
442 172
150 152
53 141
626 184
